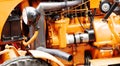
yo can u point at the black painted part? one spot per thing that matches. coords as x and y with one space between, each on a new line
81 39
87 57
74 39
91 35
91 18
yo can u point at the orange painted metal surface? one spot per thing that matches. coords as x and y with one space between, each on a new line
6 7
106 35
103 35
94 3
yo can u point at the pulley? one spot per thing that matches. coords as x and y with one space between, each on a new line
105 6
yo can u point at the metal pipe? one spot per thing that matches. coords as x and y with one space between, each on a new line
56 52
56 5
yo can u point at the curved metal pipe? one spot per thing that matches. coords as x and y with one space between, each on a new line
56 52
56 5
44 55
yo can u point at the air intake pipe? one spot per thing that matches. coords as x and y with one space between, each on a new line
56 52
57 5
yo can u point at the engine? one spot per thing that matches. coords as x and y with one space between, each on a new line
79 29
70 33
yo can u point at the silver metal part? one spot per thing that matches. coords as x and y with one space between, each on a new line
41 40
103 0
56 5
77 38
70 39
105 7
82 37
